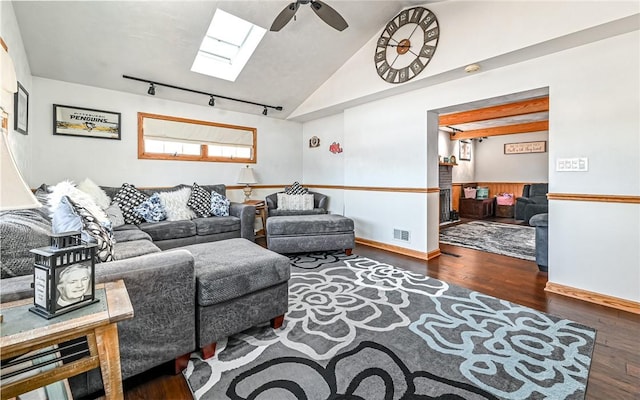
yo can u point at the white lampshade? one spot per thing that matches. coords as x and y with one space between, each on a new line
8 81
246 176
14 192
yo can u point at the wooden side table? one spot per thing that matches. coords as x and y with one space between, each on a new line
24 332
261 210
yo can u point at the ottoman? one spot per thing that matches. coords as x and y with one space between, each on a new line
238 285
305 233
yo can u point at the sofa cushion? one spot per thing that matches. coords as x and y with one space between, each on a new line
128 198
164 230
134 248
211 225
130 235
276 212
229 269
200 201
21 231
151 209
67 188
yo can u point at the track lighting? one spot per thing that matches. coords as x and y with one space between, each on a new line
212 100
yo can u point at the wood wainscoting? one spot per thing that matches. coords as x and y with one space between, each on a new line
495 188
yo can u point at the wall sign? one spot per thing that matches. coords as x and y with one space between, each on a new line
85 122
525 147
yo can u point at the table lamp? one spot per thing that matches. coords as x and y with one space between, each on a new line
247 178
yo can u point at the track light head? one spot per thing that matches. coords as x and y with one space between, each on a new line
212 101
264 112
152 89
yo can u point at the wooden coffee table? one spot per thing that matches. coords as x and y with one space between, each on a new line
24 332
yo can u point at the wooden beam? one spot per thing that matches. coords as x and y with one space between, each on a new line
502 130
500 111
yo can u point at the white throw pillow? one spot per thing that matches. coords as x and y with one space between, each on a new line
93 190
295 202
175 204
67 188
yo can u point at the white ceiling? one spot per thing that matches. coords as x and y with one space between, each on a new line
96 42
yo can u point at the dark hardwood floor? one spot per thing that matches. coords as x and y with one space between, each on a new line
615 367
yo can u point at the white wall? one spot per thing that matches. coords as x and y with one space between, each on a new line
20 144
594 113
492 165
112 162
320 166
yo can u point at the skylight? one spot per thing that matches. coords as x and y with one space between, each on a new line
229 43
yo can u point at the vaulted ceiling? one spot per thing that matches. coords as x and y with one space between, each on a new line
96 42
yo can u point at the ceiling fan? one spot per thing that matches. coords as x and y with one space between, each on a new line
326 13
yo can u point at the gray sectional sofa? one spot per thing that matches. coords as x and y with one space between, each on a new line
161 284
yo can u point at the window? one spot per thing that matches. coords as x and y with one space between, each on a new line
227 46
162 137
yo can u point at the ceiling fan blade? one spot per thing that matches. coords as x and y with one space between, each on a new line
284 17
329 15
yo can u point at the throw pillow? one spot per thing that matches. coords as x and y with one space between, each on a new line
151 209
219 205
296 202
115 215
93 190
128 198
71 216
67 188
175 204
200 201
296 188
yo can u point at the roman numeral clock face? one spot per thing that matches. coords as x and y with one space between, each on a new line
406 45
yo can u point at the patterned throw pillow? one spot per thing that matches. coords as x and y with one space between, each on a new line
92 229
296 188
288 202
200 201
175 204
128 198
151 209
219 205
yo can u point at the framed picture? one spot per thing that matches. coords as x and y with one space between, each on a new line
86 122
465 150
21 110
525 147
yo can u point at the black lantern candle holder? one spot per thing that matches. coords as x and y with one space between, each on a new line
64 275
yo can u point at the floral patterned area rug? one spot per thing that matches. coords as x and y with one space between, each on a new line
360 329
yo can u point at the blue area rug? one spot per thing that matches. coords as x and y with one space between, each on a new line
493 237
360 329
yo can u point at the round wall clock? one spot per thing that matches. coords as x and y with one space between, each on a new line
406 45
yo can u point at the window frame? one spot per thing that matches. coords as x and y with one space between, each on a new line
204 152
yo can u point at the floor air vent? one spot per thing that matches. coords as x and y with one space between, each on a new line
399 234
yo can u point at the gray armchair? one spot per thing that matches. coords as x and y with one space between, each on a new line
533 201
320 205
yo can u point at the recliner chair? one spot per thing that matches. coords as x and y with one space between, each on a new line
533 201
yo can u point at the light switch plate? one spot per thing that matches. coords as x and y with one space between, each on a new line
578 164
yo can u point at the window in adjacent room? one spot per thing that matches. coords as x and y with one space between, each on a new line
161 137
